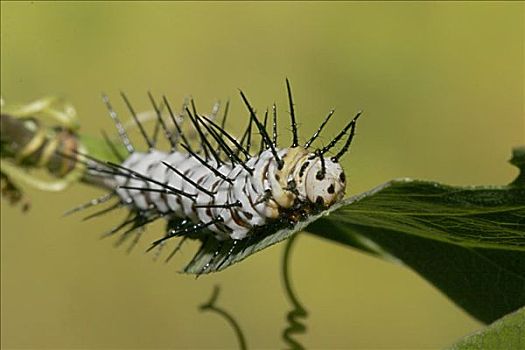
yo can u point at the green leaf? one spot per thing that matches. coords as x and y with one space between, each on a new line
468 241
506 333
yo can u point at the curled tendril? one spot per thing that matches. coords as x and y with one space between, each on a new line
210 306
297 312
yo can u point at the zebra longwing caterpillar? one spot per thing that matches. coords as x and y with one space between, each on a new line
220 190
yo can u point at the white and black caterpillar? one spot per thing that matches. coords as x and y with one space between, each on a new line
222 189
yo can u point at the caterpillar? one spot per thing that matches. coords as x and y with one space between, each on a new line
220 189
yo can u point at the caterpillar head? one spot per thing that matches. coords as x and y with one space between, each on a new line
321 181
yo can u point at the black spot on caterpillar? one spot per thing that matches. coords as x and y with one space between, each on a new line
221 190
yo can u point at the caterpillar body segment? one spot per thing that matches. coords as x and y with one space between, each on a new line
255 207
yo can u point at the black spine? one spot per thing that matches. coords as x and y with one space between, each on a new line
295 138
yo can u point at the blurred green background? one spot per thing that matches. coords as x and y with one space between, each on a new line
441 85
